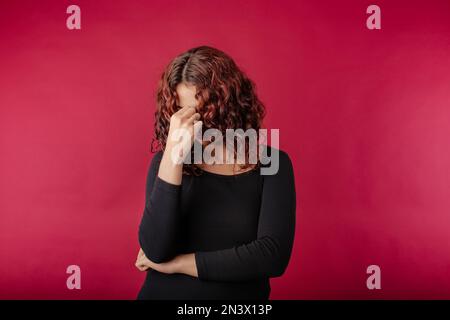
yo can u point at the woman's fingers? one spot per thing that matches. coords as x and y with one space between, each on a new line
188 113
185 112
142 266
193 118
141 261
139 265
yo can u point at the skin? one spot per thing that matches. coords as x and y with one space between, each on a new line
171 172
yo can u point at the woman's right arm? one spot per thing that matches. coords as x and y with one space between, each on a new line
160 221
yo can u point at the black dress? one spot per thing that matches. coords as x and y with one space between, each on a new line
240 227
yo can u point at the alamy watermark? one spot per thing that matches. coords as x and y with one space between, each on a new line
234 150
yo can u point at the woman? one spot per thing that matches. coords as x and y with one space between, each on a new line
212 231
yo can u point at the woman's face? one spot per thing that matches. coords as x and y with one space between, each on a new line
186 95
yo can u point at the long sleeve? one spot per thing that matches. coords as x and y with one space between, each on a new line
269 254
160 220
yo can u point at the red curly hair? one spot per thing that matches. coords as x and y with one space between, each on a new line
226 96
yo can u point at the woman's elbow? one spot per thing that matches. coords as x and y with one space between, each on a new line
158 257
153 251
276 272
278 267
154 254
276 256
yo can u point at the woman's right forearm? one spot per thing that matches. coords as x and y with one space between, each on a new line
171 167
169 170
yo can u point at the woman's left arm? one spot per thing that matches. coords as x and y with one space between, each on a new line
269 254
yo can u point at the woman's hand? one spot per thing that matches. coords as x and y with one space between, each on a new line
185 120
142 262
184 125
183 263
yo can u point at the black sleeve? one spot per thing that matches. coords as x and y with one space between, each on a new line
269 254
160 220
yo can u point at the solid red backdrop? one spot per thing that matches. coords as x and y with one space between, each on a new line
364 115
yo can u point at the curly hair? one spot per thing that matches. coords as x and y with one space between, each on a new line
226 96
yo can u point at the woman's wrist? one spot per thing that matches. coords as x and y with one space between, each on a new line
169 170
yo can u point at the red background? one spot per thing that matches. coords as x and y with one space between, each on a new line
364 115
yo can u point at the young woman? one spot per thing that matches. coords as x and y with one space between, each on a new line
212 231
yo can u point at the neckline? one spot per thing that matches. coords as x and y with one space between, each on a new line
245 173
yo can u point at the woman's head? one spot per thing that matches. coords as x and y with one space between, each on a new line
209 80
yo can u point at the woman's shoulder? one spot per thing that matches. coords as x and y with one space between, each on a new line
274 159
158 155
155 161
275 153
